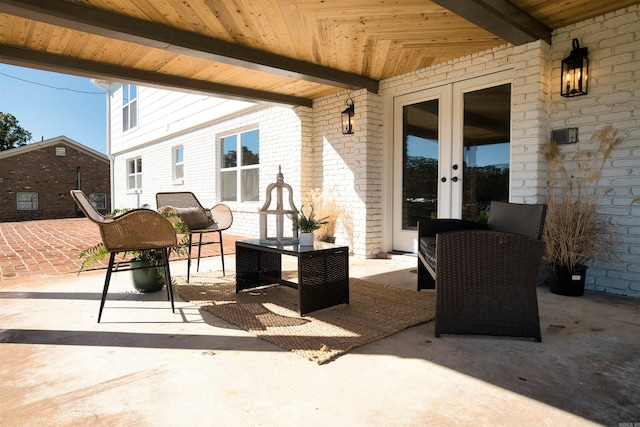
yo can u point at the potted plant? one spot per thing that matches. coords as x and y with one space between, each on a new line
145 276
573 232
306 225
327 207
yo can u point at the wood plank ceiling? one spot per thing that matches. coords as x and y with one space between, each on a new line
280 51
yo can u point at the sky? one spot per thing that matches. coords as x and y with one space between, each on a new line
51 104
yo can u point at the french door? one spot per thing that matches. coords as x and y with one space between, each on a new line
451 153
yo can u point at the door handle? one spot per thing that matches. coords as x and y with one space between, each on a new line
454 179
443 179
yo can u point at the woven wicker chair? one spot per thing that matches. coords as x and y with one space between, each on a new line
136 230
198 219
485 276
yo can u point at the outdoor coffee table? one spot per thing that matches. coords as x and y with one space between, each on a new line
323 271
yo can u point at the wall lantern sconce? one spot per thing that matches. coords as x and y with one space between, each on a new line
575 69
348 120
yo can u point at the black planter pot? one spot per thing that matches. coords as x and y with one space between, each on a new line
564 281
146 279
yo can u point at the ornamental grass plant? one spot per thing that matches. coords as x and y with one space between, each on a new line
328 208
573 232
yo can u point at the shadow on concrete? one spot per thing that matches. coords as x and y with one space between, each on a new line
131 340
52 295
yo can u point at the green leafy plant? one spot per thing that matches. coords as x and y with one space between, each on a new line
148 258
307 224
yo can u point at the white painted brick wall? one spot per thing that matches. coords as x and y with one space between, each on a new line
350 167
614 45
529 121
613 41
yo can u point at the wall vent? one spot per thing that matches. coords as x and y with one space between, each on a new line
564 136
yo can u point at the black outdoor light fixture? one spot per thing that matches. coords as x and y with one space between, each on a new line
348 121
575 70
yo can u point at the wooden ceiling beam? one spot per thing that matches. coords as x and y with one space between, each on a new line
499 17
68 65
100 22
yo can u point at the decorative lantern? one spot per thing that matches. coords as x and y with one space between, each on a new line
348 121
279 212
575 69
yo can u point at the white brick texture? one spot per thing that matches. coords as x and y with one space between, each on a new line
613 41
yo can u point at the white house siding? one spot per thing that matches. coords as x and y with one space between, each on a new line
613 41
174 125
313 153
163 113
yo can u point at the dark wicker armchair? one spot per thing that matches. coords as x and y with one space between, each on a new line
198 220
136 230
485 276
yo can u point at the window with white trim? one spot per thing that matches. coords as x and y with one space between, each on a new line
178 163
134 174
240 169
129 107
27 201
98 200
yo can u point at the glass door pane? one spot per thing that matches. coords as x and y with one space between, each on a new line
420 130
486 149
451 152
420 163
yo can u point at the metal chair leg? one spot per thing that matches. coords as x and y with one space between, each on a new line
106 284
167 277
221 251
199 248
189 257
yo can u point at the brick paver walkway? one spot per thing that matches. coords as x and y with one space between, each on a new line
50 247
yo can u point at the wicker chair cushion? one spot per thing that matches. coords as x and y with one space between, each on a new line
427 248
196 218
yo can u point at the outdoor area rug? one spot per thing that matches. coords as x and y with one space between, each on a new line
270 312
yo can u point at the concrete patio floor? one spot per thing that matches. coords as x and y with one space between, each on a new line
146 366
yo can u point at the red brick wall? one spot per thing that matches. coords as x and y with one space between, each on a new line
51 176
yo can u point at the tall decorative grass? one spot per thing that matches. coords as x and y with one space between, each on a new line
574 233
327 207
